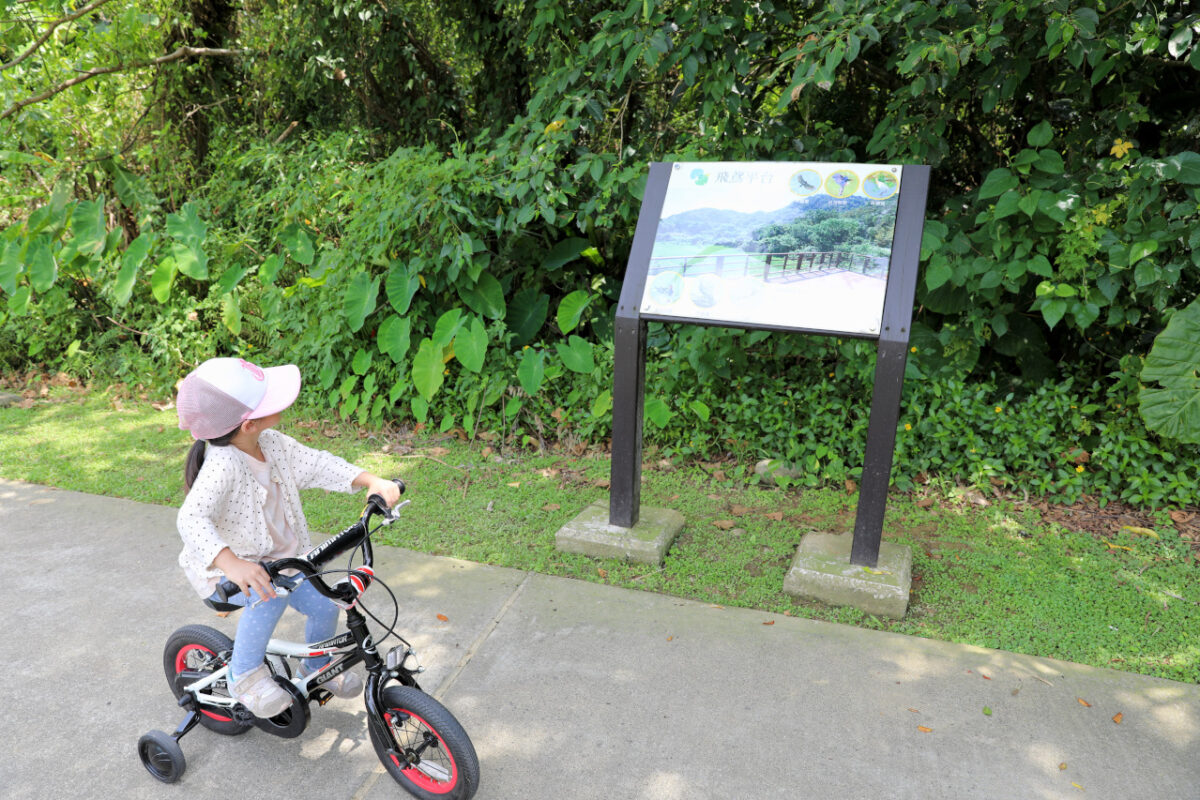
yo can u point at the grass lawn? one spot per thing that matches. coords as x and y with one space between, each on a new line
990 572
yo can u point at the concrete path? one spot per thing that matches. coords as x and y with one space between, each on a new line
568 690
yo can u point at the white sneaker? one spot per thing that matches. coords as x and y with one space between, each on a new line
348 684
258 692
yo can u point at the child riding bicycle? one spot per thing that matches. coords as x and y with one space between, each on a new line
243 482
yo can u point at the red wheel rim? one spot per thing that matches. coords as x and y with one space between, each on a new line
420 779
181 665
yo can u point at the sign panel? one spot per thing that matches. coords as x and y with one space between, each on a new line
791 245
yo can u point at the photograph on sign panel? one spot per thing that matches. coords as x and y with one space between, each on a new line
775 244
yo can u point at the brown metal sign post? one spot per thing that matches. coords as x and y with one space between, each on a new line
828 186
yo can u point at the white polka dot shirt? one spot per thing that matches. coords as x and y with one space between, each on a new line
225 505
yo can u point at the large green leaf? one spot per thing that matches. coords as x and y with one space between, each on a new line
360 297
527 314
10 266
161 279
229 279
43 269
361 362
658 412
447 326
298 244
269 269
189 233
1172 408
427 369
134 192
131 261
231 313
531 370
564 253
486 297
571 309
1184 167
997 182
470 345
402 284
87 225
576 355
393 337
18 304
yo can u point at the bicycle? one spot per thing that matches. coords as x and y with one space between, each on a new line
420 743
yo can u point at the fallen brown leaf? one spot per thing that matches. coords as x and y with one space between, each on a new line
669 638
724 524
769 622
923 729
913 710
851 486
1063 765
603 483
775 515
443 618
1083 702
515 484
603 573
1120 716
551 507
925 502
438 452
739 511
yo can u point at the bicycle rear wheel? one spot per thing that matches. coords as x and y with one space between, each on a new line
427 751
197 648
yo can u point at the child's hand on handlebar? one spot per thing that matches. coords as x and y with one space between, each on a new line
246 574
386 489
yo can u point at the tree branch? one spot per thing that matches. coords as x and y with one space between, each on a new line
182 52
50 30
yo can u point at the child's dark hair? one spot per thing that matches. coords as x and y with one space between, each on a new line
195 457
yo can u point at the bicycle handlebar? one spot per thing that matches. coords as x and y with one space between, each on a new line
310 564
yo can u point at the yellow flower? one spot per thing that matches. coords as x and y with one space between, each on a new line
1120 148
1079 468
912 349
999 410
907 427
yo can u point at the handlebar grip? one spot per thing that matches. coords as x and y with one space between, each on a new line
399 484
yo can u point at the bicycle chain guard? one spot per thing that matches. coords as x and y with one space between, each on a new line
289 723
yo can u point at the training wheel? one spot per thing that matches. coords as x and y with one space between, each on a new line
162 756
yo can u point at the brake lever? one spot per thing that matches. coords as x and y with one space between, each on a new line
392 514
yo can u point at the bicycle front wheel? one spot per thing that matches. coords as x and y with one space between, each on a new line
427 751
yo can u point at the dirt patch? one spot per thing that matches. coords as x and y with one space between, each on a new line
1087 516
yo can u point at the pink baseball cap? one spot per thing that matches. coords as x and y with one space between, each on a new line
219 394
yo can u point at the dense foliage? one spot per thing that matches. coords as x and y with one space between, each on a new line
431 212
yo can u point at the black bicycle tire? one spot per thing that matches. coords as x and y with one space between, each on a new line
445 727
215 642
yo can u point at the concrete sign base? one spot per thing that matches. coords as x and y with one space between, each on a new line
646 542
822 571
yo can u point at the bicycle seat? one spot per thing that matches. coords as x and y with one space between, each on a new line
224 590
221 608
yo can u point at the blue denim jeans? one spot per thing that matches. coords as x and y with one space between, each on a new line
258 622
